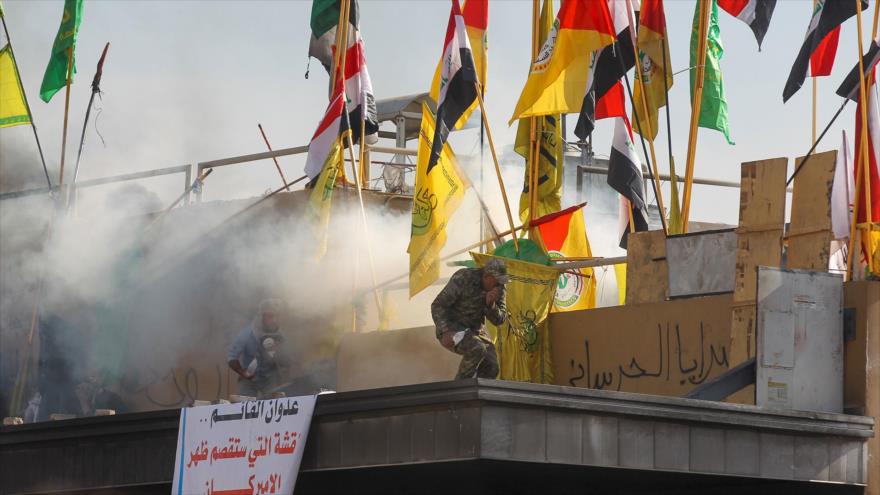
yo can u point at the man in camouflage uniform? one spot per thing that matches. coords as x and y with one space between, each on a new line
472 295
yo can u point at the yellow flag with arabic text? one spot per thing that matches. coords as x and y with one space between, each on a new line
522 343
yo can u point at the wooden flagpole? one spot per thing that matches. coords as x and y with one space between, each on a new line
637 71
815 89
66 113
275 159
862 161
339 27
354 163
485 121
534 141
696 105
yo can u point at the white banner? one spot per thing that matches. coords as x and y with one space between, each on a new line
251 448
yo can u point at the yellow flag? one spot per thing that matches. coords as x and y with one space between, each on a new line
652 44
438 192
13 110
558 77
320 199
564 235
551 150
523 341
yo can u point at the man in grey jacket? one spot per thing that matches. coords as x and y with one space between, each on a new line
254 353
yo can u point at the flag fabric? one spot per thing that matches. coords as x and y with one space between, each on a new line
563 235
457 87
620 277
842 190
557 80
653 50
324 164
55 77
476 18
625 177
755 13
674 225
827 16
13 108
604 96
873 155
522 342
713 110
822 60
361 104
439 190
551 150
849 88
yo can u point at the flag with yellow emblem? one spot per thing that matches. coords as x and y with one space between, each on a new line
550 151
653 56
522 342
563 235
439 190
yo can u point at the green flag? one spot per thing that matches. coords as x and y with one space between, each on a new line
65 43
713 111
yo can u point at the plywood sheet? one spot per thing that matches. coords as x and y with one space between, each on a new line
809 235
664 348
647 275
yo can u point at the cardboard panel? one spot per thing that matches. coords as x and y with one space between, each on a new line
809 235
662 348
647 275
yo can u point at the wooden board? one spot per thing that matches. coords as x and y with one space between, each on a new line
759 243
664 348
647 274
809 234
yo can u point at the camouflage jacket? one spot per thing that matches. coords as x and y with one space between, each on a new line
462 303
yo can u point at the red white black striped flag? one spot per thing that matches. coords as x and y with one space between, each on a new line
625 177
458 76
755 13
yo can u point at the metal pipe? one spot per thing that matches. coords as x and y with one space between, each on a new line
666 177
589 263
103 180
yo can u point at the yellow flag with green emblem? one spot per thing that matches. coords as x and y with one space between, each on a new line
13 109
522 342
438 193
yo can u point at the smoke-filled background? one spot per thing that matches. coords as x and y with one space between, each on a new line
188 81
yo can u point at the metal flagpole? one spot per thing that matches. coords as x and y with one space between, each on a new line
26 104
96 89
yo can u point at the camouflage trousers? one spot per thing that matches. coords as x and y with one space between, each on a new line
478 356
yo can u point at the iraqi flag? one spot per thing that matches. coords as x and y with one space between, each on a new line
458 78
604 97
755 13
829 14
849 88
329 134
625 177
361 103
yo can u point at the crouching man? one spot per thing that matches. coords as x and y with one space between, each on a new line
472 296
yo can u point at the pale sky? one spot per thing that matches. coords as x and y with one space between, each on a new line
188 81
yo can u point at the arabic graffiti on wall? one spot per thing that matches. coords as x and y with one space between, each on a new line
250 448
660 348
